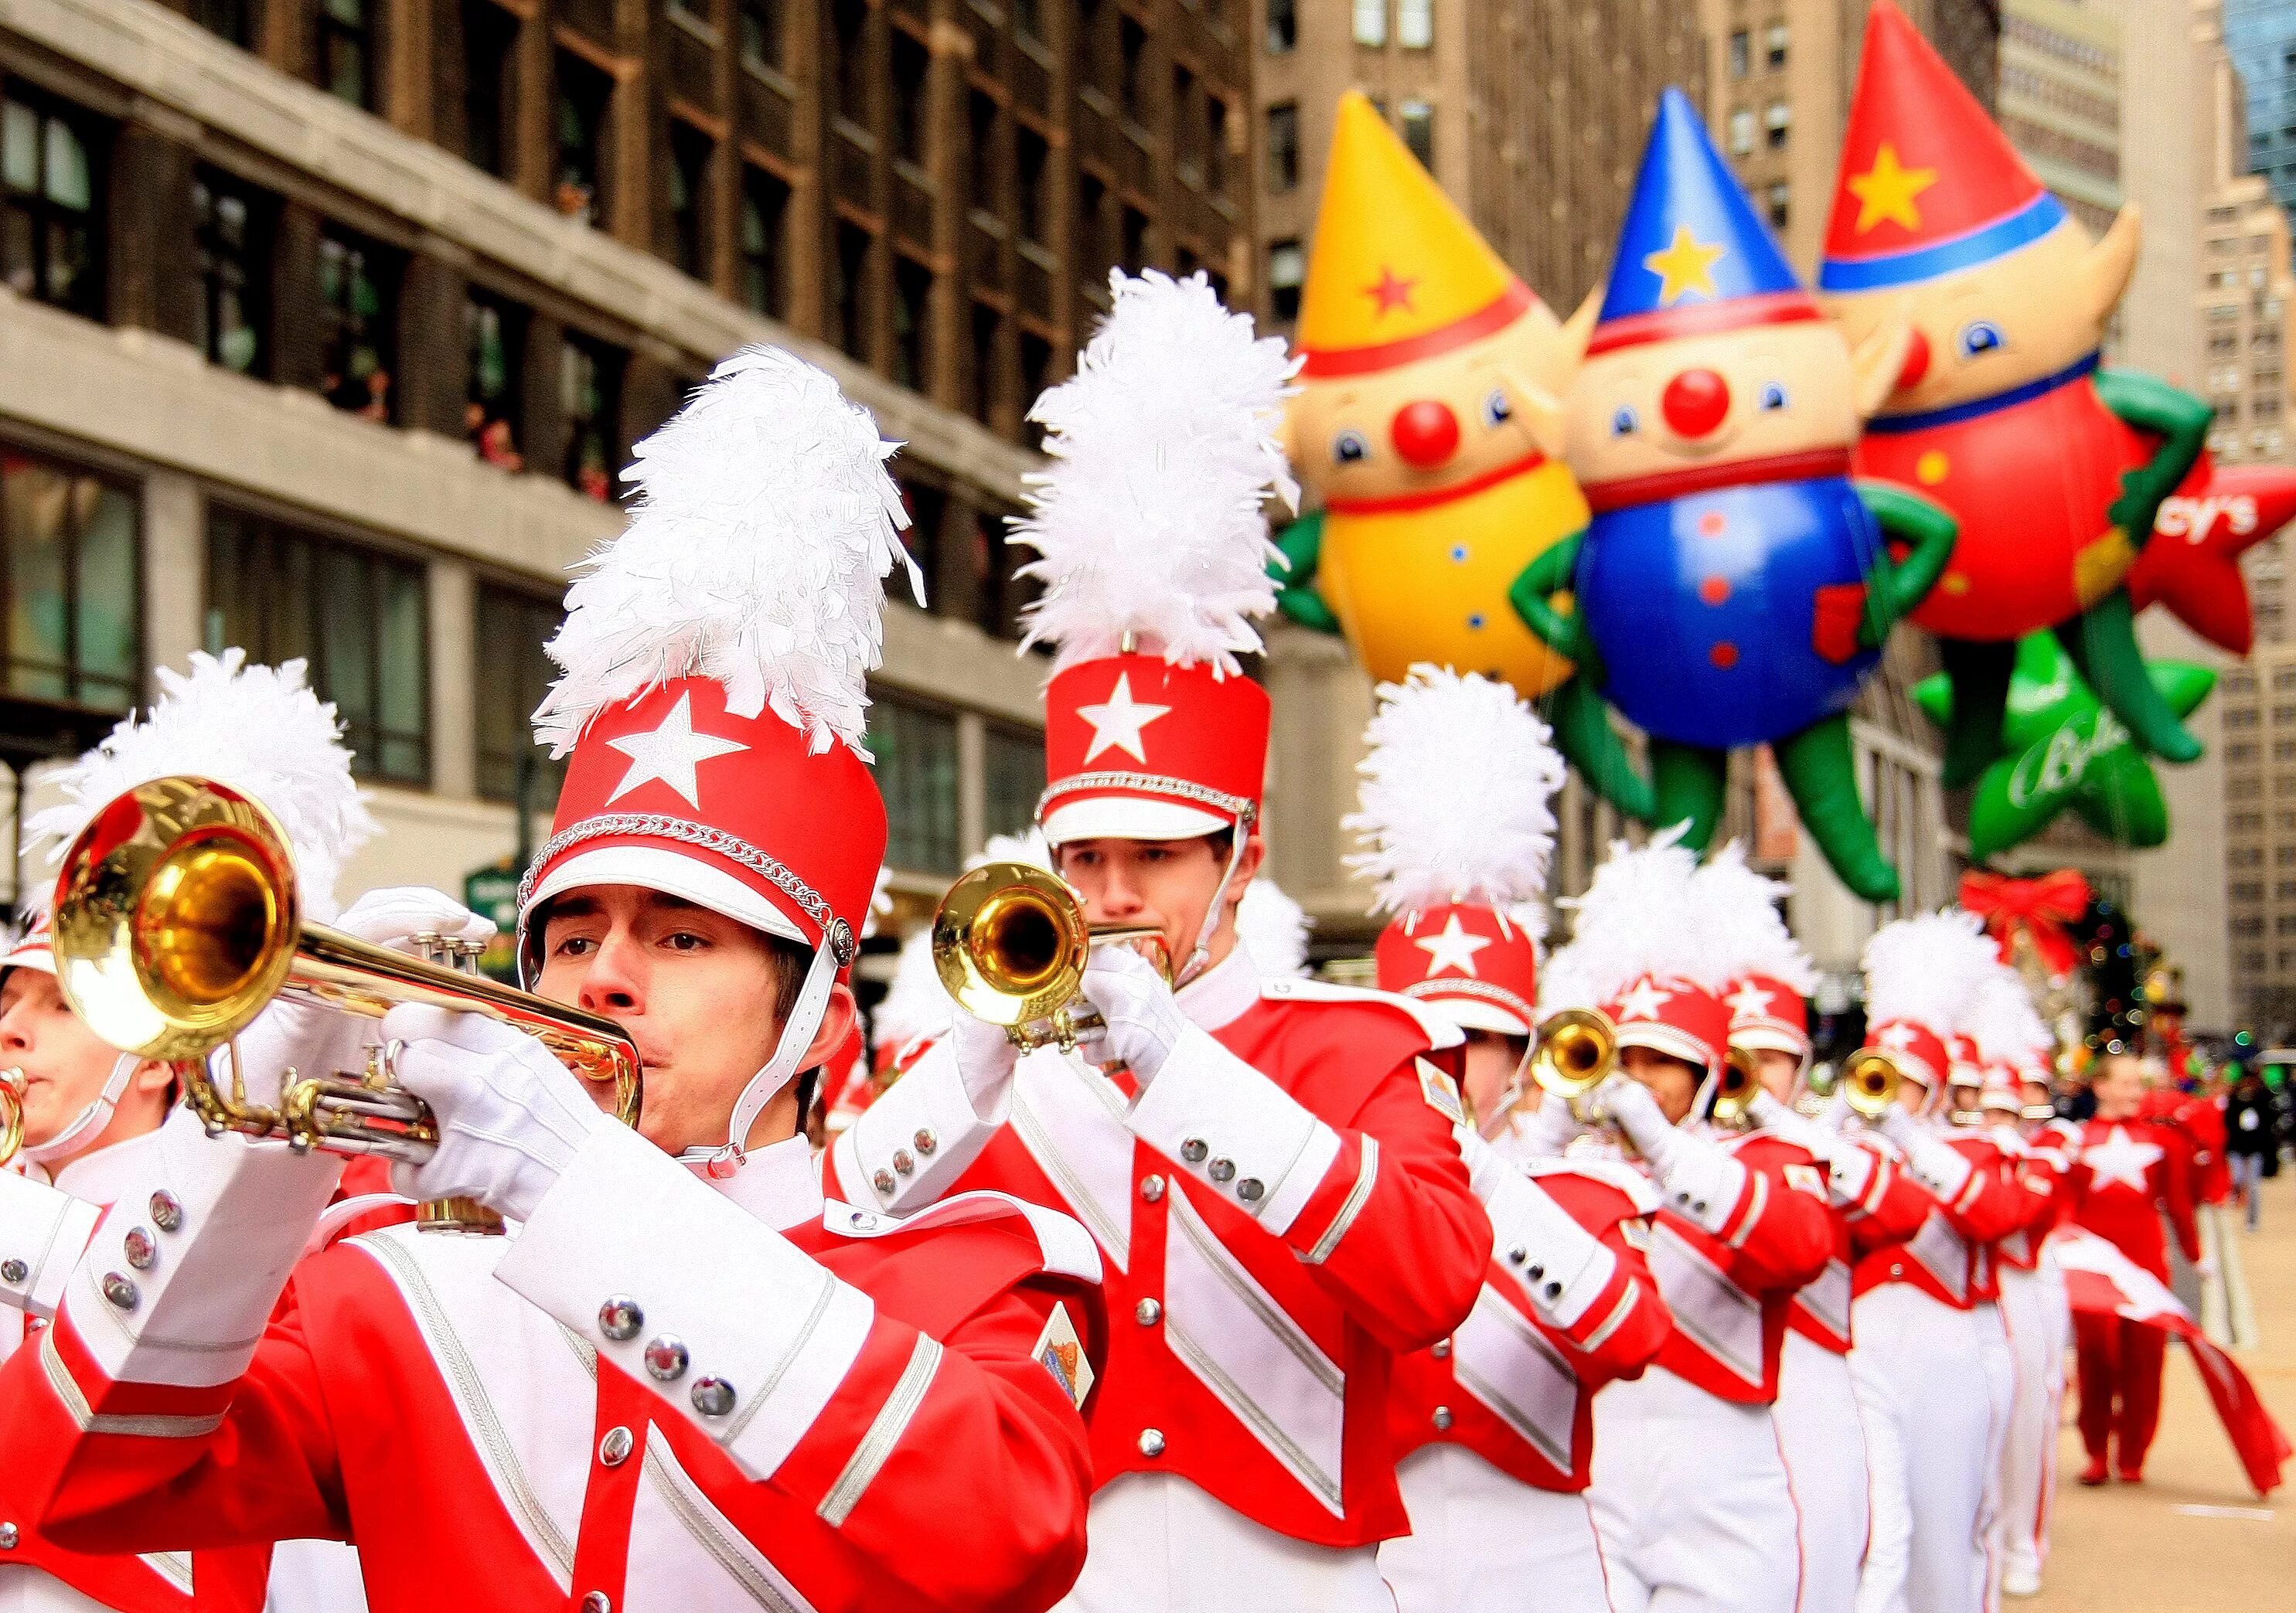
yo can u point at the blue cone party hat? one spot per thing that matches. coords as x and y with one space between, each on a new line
1693 256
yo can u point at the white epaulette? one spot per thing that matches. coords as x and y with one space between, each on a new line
1067 1250
1439 1031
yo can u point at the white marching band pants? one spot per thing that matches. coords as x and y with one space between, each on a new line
1933 1388
1482 1540
1158 1544
1819 1429
2039 1326
1692 1501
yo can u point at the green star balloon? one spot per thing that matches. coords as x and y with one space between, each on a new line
2066 749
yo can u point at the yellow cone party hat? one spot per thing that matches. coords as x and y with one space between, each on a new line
1397 273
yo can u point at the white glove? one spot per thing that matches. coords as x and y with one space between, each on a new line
393 915
511 1117
1936 1163
1547 1130
1144 1021
1701 1183
985 1060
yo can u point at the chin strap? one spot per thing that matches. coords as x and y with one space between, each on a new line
1200 958
797 1036
89 1124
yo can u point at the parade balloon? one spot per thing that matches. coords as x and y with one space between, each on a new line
2192 566
1734 586
2065 750
1427 382
2054 467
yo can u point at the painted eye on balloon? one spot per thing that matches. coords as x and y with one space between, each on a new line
1349 448
1496 410
1979 336
1624 421
1774 396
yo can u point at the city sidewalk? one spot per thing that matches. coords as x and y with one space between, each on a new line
2192 1538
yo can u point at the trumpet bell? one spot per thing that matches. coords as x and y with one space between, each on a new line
11 1113
1009 944
1869 1082
1734 1093
1578 1048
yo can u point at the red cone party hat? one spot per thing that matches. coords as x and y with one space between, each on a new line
1457 832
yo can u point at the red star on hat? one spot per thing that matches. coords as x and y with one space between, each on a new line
1391 291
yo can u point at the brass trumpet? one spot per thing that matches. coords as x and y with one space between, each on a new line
11 1113
1734 1092
177 923
1868 1082
1577 1049
1009 943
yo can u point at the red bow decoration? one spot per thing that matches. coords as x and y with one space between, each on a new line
2041 908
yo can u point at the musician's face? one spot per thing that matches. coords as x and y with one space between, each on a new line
65 1064
700 994
1780 1071
1166 883
1673 1081
2120 1084
1492 1059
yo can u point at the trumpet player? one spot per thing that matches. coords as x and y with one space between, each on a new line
1495 1425
1928 1356
1266 1162
683 1377
1871 1205
1691 1494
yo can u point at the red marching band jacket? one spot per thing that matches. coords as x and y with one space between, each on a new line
2041 1161
650 1387
1281 1214
1730 1292
1516 1388
1950 1256
2125 1177
1886 1206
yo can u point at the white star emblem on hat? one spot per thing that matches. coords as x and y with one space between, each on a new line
672 753
1452 947
1117 721
1749 1001
1900 1038
2120 1160
1643 1000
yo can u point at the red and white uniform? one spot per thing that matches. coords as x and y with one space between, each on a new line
1494 1427
2125 1177
1691 1492
2039 1325
479 1413
1281 1214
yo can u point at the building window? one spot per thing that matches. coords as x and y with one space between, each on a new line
489 39
1741 132
74 575
849 288
49 245
346 51
1777 121
1418 121
988 340
765 216
493 333
1283 27
589 394
1187 126
230 19
1132 82
985 174
1032 161
1414 24
1136 240
1287 274
689 184
1780 204
912 285
1740 53
1216 146
228 223
915 749
584 94
357 320
1036 372
1773 47
512 627
358 617
1283 147
1011 778
912 76
1029 18
1371 21
850 23
758 24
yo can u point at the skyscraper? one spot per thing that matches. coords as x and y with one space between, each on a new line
2260 36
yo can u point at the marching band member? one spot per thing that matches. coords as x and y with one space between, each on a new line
1923 1367
683 1379
1691 1492
1274 1185
2121 1182
1495 1425
1872 1205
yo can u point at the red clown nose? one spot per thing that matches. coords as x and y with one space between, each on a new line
1426 433
1696 402
1917 362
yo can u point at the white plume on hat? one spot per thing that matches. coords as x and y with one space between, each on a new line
916 1003
1925 968
2000 1017
759 541
1639 918
1737 911
1563 983
1274 928
1027 847
1454 803
258 729
1149 523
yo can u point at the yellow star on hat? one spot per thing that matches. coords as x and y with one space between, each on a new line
1887 191
1684 265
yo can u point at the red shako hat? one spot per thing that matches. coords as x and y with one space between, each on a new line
1920 974
1640 952
1768 975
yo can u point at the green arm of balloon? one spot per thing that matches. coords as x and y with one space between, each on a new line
1689 780
1583 733
1564 632
1303 545
1820 771
2180 421
1895 587
2101 642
